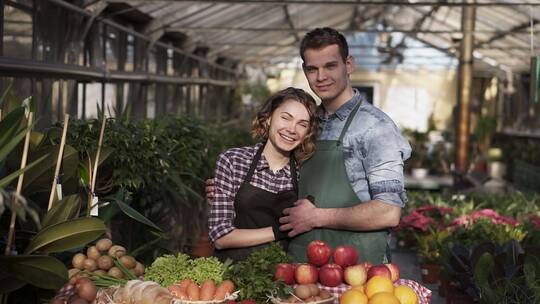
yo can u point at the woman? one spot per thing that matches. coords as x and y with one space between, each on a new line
254 184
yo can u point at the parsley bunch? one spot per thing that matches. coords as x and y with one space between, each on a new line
254 276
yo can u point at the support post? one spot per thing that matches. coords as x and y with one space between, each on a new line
465 86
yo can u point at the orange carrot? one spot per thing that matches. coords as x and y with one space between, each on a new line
225 288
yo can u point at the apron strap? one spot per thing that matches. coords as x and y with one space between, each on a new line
254 163
348 122
292 165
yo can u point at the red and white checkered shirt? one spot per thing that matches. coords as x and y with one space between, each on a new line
231 170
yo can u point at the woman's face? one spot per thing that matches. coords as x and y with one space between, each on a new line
288 125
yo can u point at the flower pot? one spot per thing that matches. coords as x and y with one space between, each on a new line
419 173
444 286
204 247
430 272
457 297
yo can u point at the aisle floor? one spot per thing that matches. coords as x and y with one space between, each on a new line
410 269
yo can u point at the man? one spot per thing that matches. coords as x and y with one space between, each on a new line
356 173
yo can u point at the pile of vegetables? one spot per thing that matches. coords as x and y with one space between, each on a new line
79 290
104 258
208 291
142 292
254 275
169 269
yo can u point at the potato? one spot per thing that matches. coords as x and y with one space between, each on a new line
128 261
103 245
73 271
117 251
90 264
105 262
93 253
100 272
302 291
325 294
314 289
139 269
78 261
116 272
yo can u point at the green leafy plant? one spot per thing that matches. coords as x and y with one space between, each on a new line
254 275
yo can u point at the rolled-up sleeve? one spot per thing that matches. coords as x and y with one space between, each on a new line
386 151
220 220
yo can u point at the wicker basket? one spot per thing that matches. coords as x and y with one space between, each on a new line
325 301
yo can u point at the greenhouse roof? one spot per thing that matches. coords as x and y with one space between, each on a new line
265 33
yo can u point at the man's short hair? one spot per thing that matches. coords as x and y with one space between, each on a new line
322 37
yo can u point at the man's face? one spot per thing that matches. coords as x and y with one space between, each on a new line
327 74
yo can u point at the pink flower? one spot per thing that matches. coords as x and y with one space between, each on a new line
489 213
464 220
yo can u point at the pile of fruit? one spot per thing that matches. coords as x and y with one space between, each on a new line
104 258
379 290
341 269
344 268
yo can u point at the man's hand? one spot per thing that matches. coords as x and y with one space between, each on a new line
299 218
209 189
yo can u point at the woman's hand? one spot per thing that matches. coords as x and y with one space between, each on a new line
209 189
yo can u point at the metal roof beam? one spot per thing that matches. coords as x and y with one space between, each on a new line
516 29
290 22
362 2
301 30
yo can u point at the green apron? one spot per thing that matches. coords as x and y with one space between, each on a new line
324 177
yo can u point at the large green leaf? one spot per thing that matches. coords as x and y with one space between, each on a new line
39 270
12 138
67 235
39 178
10 124
9 283
63 210
482 270
8 179
134 214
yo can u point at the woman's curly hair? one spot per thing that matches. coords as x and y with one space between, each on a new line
260 126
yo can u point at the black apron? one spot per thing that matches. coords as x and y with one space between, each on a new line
258 208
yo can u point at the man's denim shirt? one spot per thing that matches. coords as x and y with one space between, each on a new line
373 144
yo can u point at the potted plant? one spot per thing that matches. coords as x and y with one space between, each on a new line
429 253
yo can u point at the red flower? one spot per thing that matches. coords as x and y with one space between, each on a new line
417 221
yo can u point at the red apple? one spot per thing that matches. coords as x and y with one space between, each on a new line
331 275
345 256
318 253
305 274
355 275
379 270
285 272
394 271
367 265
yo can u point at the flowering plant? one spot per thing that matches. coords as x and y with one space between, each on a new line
420 220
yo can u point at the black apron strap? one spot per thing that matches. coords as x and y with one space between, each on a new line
254 163
294 176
